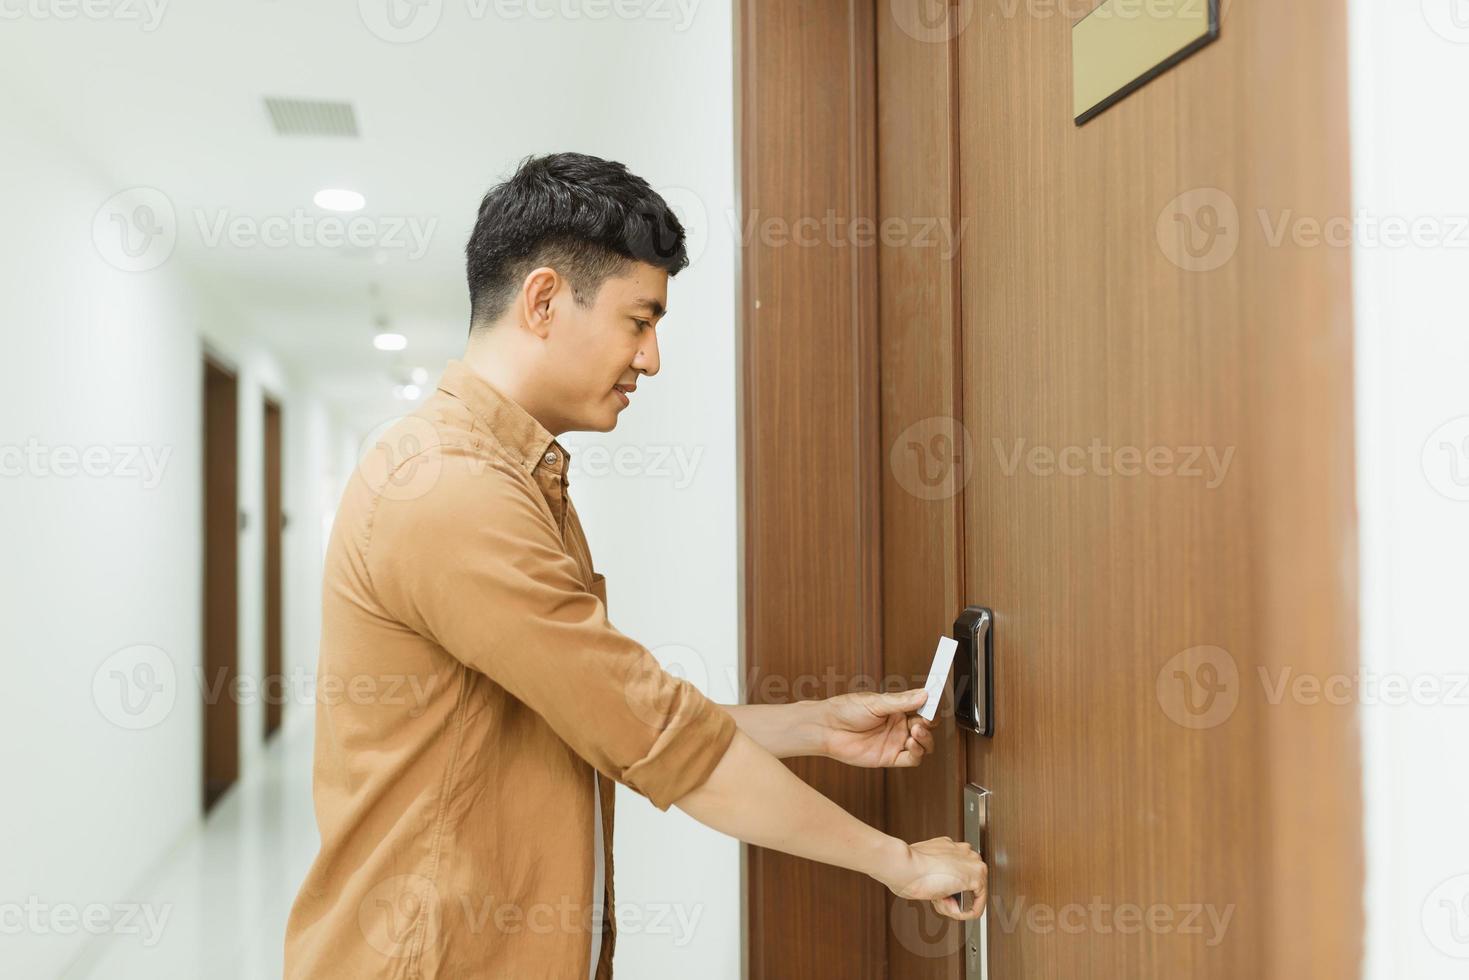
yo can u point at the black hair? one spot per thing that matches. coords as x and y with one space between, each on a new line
583 216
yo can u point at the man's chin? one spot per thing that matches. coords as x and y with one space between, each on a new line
613 417
604 424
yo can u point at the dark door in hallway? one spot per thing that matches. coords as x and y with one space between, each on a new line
274 527
221 750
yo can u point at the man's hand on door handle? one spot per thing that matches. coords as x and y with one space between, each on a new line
864 729
942 870
752 796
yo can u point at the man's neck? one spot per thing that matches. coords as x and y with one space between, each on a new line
493 360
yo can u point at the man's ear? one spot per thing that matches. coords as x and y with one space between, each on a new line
536 293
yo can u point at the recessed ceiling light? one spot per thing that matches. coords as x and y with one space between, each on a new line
420 376
389 341
337 199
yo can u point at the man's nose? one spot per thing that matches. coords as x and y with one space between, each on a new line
646 359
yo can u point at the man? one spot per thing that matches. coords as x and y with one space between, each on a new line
466 827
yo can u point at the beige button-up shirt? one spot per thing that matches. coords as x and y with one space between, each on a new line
469 686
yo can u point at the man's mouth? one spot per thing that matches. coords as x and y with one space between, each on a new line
623 391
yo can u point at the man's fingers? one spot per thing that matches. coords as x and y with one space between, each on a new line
915 747
923 735
949 907
904 701
976 907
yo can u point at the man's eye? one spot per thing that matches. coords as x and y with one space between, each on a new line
641 323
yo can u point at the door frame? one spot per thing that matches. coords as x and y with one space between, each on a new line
809 448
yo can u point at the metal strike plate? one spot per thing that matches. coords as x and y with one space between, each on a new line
974 696
976 931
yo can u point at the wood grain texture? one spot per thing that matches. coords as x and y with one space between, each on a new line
811 540
1074 321
923 465
1085 324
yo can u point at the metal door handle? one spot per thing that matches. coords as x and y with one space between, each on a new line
976 832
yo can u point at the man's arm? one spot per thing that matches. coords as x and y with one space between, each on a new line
861 729
751 795
784 730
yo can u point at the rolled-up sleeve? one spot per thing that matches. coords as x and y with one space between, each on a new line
477 565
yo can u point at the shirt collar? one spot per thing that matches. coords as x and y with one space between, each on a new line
516 429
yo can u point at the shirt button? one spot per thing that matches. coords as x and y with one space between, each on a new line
551 457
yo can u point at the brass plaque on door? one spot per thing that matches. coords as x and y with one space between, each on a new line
1123 44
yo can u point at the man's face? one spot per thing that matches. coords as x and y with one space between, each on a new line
606 346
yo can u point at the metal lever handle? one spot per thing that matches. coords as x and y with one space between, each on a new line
976 832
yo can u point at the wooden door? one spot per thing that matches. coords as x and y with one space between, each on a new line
274 527
1149 438
1113 402
221 732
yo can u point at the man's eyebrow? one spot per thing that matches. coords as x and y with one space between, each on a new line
652 305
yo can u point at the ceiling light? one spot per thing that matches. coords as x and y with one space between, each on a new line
336 199
420 375
389 341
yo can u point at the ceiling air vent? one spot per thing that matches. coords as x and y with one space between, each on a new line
310 117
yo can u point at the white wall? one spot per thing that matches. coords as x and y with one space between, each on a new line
102 553
1410 74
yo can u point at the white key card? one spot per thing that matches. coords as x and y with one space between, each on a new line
938 675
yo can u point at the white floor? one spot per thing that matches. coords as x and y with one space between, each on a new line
227 888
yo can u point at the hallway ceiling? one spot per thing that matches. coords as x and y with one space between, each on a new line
177 103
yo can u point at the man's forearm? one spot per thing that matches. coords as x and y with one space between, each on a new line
753 797
783 730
